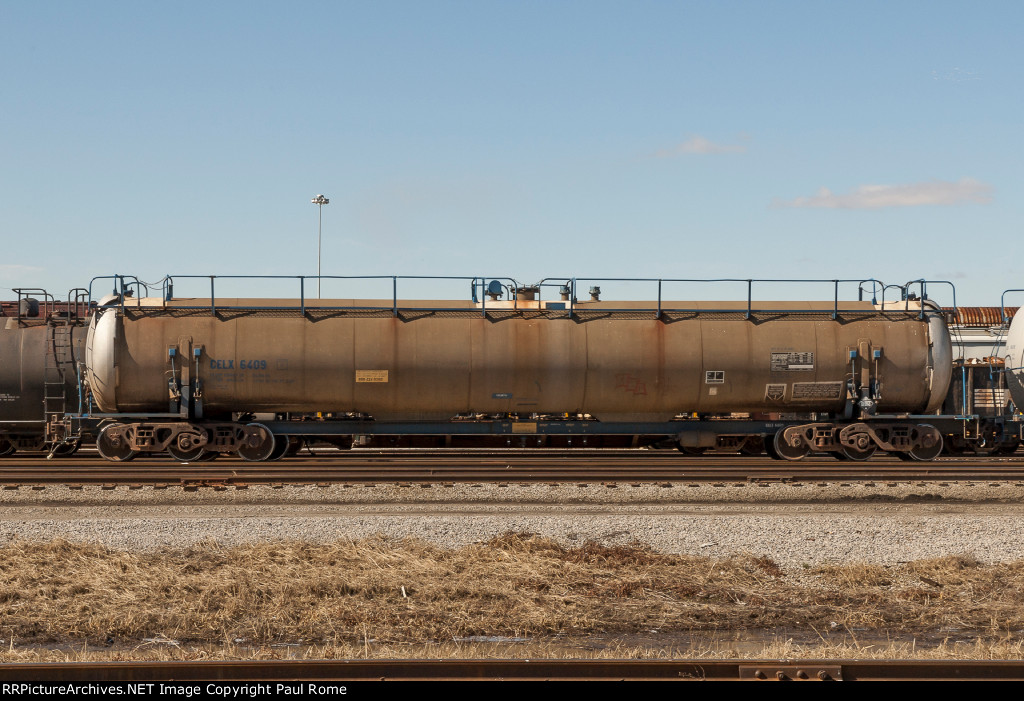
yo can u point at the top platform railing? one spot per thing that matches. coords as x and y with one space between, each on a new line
38 303
1002 304
484 289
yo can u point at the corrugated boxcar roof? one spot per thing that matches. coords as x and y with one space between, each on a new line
979 316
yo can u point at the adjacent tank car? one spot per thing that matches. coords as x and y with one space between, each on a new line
1013 359
189 376
40 347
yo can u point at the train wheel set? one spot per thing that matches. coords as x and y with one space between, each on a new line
188 442
193 378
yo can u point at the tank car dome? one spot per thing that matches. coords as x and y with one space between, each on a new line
101 358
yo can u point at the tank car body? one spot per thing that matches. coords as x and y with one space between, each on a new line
192 367
422 366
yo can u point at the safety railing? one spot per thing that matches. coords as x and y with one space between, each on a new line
569 286
1002 304
29 306
305 304
51 307
484 289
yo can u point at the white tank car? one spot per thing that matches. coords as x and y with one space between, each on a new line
1014 359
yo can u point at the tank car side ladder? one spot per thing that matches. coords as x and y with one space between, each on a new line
58 356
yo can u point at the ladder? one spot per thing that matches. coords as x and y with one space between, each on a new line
59 355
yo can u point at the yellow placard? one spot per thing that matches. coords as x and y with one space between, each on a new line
371 375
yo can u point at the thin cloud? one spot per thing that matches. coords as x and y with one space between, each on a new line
956 75
14 270
698 145
933 192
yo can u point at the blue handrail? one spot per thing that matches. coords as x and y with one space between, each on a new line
1002 303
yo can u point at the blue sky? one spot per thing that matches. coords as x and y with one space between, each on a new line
522 139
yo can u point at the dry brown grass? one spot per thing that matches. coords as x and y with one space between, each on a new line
406 598
774 649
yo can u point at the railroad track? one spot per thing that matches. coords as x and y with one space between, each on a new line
297 676
490 466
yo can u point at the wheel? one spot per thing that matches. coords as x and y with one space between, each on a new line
295 444
691 450
112 447
797 450
856 445
187 447
258 444
182 455
1008 447
6 448
282 447
954 445
924 453
856 454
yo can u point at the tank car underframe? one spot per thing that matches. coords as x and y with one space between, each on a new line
908 437
911 437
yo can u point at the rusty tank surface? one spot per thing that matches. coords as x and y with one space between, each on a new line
194 366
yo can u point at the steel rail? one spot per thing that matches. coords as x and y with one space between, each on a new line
344 456
385 469
299 673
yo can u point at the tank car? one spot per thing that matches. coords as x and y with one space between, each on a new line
978 389
40 348
188 376
1014 359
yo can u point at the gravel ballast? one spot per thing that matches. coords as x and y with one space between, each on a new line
796 525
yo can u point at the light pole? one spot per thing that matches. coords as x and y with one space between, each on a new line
319 201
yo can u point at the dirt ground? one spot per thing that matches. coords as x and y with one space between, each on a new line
518 595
